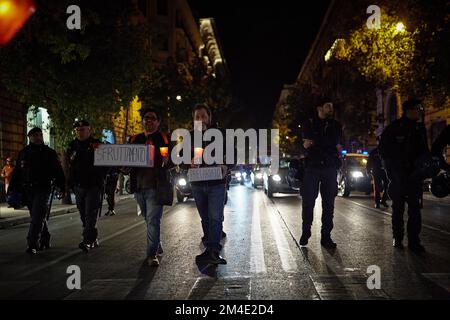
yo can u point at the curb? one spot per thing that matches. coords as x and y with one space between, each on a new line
11 222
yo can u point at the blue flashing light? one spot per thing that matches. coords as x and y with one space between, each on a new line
344 151
365 152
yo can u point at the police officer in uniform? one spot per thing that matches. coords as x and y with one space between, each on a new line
380 180
322 144
403 142
37 166
86 180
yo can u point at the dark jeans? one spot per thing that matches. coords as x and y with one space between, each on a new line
110 192
315 179
210 204
37 205
152 213
380 185
88 203
403 189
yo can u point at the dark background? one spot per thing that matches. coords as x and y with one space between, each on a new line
265 44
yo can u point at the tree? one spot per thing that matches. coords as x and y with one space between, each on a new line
87 73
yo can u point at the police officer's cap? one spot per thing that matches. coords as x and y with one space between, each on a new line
412 104
80 123
33 131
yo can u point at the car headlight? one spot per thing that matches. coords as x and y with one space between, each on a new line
357 174
237 174
259 176
276 178
182 182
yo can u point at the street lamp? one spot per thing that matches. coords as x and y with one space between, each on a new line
400 27
178 98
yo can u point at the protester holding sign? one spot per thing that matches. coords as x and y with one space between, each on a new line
86 180
209 194
149 184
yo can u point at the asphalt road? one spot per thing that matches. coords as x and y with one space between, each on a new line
261 247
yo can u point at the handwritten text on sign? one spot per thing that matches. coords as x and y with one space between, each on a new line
126 155
205 174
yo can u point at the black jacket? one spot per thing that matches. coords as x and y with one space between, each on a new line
37 166
326 134
402 143
146 178
82 172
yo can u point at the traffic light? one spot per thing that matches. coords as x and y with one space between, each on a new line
13 15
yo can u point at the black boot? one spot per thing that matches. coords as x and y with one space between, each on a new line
328 243
306 234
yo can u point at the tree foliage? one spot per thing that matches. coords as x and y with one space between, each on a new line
88 73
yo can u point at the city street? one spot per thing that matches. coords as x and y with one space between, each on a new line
264 258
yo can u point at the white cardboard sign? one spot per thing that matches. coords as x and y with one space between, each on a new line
124 155
205 174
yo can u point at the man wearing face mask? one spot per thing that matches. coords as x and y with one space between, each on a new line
402 144
86 181
322 138
209 197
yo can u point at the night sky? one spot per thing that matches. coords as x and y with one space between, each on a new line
265 44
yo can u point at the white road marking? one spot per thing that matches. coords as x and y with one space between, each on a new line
257 264
287 259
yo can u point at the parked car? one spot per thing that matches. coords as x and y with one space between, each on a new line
352 175
280 181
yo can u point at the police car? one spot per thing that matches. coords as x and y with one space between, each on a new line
352 175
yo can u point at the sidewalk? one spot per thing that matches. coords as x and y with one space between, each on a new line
10 217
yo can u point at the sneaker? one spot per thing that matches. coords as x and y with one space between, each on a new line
95 244
210 257
112 213
31 251
328 243
152 261
84 246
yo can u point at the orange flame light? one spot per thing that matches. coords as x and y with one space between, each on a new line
164 151
13 15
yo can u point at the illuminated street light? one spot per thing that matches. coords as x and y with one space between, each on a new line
400 27
178 98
